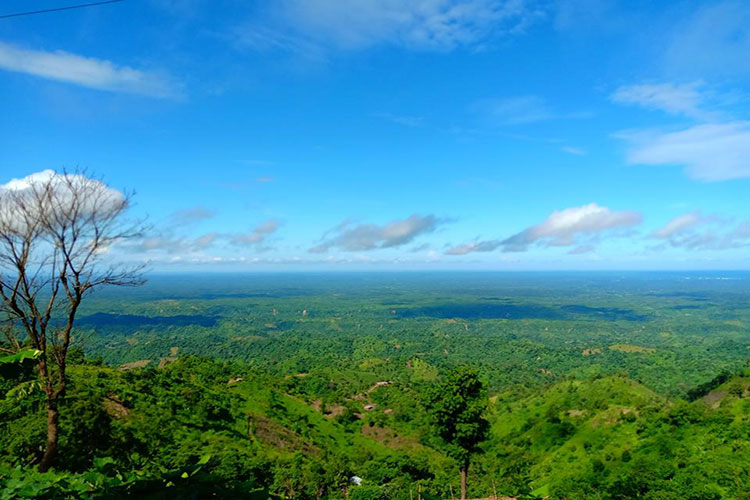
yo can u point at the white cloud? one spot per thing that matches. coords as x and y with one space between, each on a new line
710 152
566 227
168 241
581 226
258 234
28 181
63 186
682 99
85 71
171 244
371 236
678 225
422 25
694 231
476 246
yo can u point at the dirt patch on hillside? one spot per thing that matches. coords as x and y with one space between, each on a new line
272 433
632 348
714 398
388 437
134 364
329 410
589 352
165 361
113 406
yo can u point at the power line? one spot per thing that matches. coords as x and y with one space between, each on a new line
70 7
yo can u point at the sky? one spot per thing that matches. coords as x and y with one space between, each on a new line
395 135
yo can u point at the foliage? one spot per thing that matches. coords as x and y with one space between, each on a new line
457 405
617 400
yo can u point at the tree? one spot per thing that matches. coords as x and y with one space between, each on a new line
456 405
55 230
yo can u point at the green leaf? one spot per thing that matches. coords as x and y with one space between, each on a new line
20 356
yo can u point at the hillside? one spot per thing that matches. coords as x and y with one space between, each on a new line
201 425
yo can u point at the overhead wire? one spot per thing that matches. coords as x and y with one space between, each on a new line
57 9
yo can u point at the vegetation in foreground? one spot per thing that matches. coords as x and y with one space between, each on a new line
202 427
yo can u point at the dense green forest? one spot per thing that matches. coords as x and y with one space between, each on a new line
594 386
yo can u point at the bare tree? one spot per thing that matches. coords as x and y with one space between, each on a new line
55 230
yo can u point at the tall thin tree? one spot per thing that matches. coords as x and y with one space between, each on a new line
55 232
457 405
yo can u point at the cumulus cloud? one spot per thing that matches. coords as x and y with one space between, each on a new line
88 72
580 226
363 237
709 152
566 227
63 188
361 24
258 234
684 99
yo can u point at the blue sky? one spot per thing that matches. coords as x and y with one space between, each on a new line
377 134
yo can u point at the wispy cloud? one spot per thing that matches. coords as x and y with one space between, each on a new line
190 215
574 150
166 242
679 225
310 27
258 234
515 110
710 152
365 237
88 72
680 99
714 40
694 231
475 246
521 110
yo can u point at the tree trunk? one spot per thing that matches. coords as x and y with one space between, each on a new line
464 473
53 427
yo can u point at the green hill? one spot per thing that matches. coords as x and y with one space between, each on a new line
200 425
